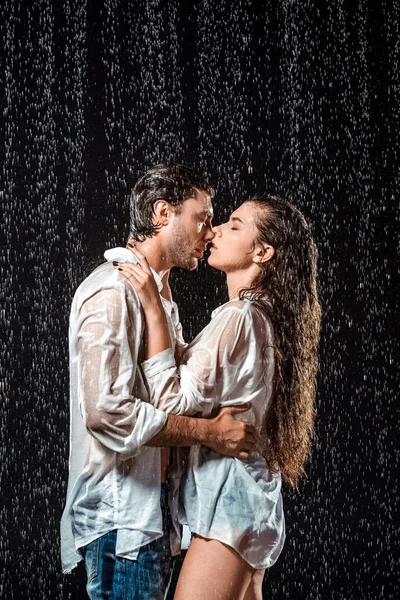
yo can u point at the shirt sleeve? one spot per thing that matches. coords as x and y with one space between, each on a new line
209 377
107 353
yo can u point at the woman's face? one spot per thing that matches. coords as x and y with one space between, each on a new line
234 246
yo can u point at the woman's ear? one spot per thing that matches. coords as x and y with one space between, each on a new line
162 212
264 253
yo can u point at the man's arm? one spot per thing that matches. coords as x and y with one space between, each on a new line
105 362
223 434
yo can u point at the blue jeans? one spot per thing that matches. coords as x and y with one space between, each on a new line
114 578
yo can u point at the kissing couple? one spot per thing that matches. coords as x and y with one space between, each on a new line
239 397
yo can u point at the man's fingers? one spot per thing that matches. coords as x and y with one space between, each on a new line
243 455
249 441
246 447
236 410
250 432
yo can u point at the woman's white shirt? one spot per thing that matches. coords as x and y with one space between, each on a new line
231 362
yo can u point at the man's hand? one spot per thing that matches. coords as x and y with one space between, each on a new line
226 435
223 433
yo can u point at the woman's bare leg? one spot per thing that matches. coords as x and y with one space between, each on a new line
254 591
212 571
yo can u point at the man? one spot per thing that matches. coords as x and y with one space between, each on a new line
116 515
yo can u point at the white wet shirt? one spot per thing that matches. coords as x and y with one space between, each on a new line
114 480
236 502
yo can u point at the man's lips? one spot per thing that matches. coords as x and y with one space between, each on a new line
199 251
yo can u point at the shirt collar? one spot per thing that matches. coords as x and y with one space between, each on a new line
125 255
219 308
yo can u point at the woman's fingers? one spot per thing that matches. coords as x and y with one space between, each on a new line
131 268
144 284
143 260
140 280
134 273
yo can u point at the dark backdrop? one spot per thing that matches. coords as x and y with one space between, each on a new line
295 97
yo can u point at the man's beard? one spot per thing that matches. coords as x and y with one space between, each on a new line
180 251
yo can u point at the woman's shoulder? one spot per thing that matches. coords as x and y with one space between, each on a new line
244 305
253 315
232 306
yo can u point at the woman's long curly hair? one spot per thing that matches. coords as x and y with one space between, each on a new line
286 292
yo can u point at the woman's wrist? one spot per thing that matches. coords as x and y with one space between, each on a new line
155 317
157 332
154 309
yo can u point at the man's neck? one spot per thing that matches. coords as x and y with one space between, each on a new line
155 254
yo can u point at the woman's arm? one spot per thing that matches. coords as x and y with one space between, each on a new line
210 376
157 334
216 362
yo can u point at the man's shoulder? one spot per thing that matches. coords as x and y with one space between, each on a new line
105 280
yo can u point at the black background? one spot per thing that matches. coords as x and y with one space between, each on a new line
298 98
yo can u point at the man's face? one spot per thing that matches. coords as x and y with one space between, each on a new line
191 231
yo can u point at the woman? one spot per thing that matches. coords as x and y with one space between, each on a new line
261 347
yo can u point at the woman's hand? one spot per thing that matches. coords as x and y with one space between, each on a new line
141 277
157 334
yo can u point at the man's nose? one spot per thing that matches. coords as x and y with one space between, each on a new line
210 235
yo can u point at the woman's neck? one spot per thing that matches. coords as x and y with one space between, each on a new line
240 280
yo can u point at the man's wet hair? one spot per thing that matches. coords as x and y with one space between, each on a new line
172 183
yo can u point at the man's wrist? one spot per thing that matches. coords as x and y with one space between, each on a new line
201 432
182 431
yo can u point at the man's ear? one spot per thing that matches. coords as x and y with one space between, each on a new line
264 253
162 212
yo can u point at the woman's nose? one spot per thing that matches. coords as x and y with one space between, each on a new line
217 230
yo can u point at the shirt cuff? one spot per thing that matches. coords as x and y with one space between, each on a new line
150 421
159 362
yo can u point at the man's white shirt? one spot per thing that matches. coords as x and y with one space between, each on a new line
114 479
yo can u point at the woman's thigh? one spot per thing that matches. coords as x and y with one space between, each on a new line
211 570
254 591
